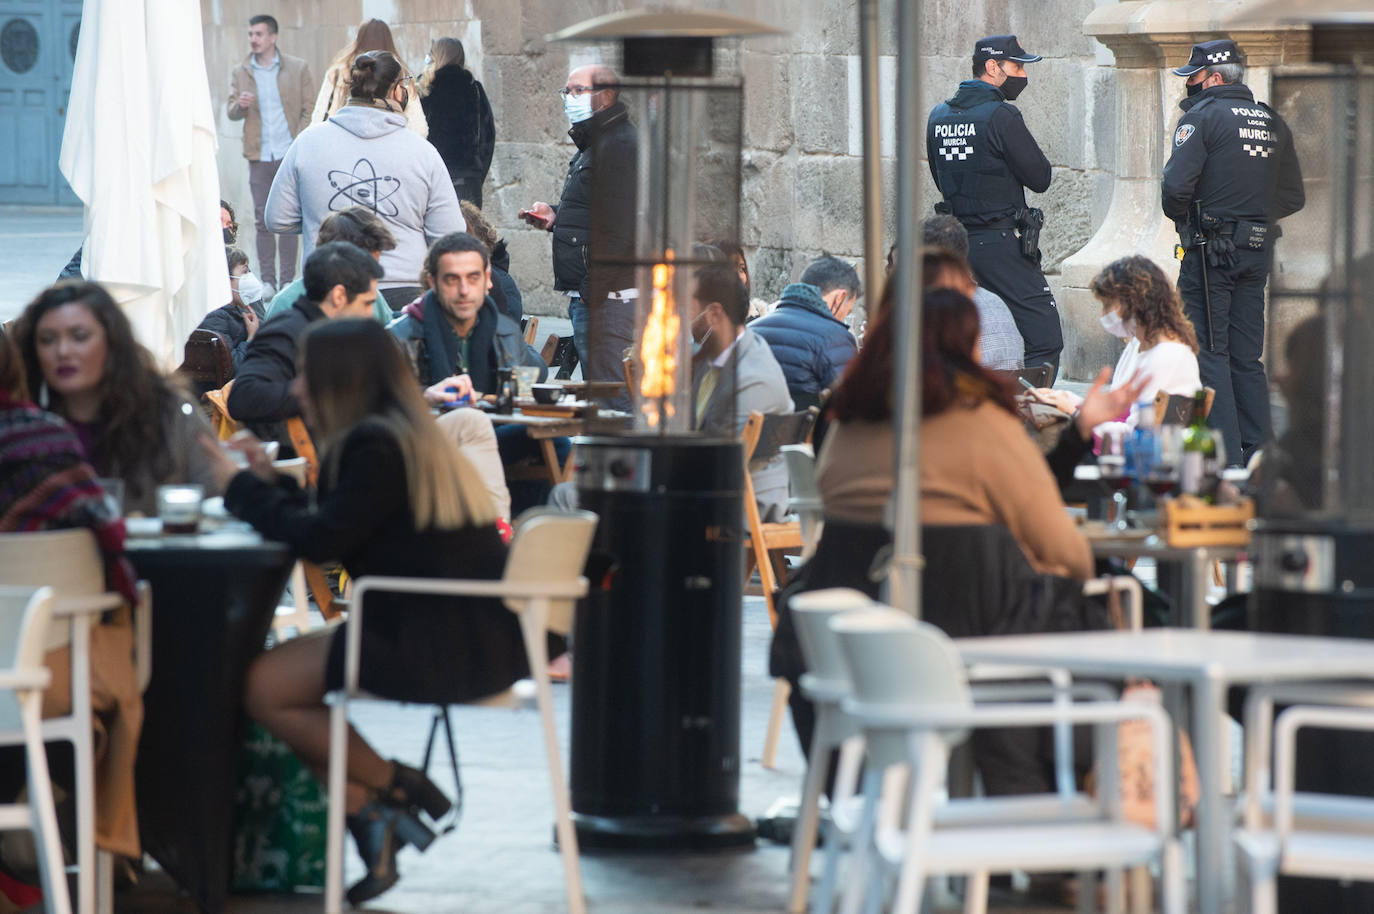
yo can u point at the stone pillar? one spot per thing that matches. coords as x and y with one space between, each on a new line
1147 37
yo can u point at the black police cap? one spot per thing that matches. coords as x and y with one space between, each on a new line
1001 47
1209 54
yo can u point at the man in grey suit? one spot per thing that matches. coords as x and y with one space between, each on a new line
734 373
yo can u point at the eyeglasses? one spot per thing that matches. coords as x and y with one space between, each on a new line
577 90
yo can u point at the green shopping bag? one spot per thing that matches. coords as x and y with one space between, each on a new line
280 818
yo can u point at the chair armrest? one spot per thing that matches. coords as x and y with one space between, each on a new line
1093 691
901 717
1286 728
1258 719
25 680
86 605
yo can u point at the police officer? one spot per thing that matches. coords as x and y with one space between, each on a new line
983 158
1231 175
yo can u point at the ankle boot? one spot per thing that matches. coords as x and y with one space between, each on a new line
380 831
373 831
410 788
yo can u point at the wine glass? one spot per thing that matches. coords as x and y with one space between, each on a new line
1168 459
1111 461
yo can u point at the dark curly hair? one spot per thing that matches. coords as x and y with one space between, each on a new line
136 397
1146 295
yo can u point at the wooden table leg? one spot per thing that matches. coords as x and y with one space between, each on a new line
556 470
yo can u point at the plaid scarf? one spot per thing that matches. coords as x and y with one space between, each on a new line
46 483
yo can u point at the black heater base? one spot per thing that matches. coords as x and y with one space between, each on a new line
655 756
663 833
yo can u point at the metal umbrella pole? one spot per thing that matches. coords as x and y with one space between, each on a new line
904 580
872 152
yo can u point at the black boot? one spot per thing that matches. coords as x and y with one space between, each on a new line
379 831
410 788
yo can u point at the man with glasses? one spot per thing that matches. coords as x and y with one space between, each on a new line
601 295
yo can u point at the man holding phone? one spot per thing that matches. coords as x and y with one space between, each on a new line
601 298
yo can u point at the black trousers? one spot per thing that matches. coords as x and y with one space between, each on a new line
1229 355
997 261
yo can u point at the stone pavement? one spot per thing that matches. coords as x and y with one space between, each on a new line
501 858
35 244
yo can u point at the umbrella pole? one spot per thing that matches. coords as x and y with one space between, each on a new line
872 152
904 580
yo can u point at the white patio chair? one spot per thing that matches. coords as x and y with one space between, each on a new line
25 615
805 500
827 685
542 581
69 562
912 698
1287 832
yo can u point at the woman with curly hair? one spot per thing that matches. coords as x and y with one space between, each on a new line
373 35
1141 306
83 363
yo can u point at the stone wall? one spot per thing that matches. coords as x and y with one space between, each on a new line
802 118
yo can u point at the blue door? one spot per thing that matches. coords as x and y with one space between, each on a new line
37 50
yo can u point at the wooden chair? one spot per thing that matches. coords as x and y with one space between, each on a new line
207 362
763 438
1038 375
1177 409
564 358
531 326
314 574
550 348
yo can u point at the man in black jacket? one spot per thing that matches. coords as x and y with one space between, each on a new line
340 281
983 158
594 223
1232 174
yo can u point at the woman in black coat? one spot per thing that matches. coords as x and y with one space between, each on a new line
459 116
395 498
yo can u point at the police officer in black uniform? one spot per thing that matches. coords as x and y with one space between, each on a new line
983 158
1231 175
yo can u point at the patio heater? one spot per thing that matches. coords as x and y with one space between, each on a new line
655 756
1315 535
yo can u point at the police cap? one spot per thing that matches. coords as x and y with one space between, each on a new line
1209 54
1001 47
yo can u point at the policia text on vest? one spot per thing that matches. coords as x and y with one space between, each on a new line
982 158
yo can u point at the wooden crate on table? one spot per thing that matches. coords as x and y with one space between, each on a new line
1188 521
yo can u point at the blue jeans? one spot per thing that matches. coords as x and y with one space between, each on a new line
601 338
514 444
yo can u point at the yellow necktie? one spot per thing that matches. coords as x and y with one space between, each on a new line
708 385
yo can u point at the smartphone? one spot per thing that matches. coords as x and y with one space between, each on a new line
1038 397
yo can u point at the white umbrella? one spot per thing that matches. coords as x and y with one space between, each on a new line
139 150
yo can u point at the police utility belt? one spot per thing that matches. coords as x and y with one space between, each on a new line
1027 220
1226 235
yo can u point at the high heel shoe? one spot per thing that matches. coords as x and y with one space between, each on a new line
380 830
411 788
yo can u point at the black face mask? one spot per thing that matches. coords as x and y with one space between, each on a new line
1193 88
1013 87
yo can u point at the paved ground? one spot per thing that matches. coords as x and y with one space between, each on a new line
35 244
501 859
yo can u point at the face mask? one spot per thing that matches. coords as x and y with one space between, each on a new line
578 107
1014 86
250 288
696 343
228 235
1193 88
1112 323
428 60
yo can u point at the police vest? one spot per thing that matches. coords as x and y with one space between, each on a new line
975 183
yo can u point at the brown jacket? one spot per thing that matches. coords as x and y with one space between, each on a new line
297 96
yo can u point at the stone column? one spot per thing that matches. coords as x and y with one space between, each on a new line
1147 37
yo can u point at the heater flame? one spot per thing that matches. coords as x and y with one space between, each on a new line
658 349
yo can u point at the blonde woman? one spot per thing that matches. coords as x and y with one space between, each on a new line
395 497
373 35
459 116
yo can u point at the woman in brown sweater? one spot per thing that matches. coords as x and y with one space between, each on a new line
978 465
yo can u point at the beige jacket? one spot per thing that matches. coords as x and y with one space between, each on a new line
334 95
294 84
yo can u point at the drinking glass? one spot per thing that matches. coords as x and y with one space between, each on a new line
1168 459
1111 461
179 508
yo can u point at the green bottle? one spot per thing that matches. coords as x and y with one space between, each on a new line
1199 452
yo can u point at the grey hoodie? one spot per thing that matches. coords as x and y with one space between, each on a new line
365 156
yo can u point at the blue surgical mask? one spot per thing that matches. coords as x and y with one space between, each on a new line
577 107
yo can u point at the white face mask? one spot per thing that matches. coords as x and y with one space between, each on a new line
249 288
578 107
1113 324
428 60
